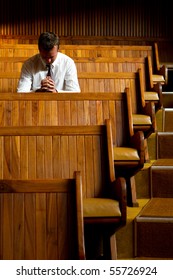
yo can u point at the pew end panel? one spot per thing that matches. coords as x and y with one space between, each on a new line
41 219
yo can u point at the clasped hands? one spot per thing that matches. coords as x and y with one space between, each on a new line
47 85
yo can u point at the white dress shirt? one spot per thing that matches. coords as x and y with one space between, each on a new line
63 72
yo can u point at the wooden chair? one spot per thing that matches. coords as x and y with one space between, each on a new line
152 79
56 152
157 67
154 95
129 156
143 120
41 218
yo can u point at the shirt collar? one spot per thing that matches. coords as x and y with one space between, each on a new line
52 64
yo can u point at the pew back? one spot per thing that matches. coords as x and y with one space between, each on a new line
67 109
56 152
81 50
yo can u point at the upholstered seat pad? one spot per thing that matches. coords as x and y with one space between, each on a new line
158 78
151 95
101 207
125 153
141 119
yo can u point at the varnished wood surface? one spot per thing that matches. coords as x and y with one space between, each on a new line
65 109
35 153
33 215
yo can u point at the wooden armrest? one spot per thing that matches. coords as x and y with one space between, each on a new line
149 110
118 192
137 142
164 72
158 88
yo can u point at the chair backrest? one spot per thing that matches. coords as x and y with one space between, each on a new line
41 219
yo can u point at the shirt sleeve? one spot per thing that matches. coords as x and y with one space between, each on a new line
25 80
71 83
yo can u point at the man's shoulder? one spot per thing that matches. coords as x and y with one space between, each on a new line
64 56
33 58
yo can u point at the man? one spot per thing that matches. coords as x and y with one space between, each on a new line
49 70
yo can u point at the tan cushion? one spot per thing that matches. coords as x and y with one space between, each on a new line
101 207
123 153
151 95
158 78
141 119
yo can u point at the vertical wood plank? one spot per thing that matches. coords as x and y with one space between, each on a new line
32 157
30 226
7 229
24 155
18 232
41 250
52 225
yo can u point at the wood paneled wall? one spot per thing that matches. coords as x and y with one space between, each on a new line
123 18
110 22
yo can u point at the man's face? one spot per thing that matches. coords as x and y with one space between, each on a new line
49 56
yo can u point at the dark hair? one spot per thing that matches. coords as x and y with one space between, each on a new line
47 41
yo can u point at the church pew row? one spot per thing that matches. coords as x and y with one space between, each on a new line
80 53
143 112
10 62
32 154
82 109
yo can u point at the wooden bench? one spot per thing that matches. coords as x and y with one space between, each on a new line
157 67
91 64
40 219
107 58
81 109
79 50
143 114
154 78
154 95
56 152
143 117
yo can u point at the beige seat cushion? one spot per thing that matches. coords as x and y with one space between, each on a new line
101 207
151 95
125 153
158 78
141 119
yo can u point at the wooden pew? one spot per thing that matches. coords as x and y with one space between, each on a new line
82 109
91 51
108 82
56 152
111 81
34 222
87 64
157 67
152 78
149 96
